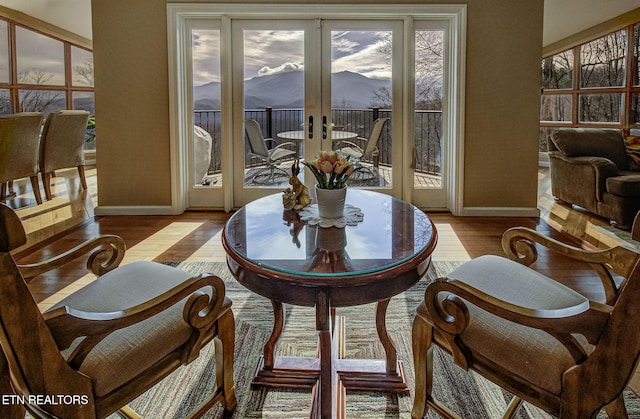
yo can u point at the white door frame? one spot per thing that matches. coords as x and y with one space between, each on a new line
180 98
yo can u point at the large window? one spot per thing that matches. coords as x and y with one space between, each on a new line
595 84
44 73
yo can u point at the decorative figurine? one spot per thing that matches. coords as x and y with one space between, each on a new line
297 196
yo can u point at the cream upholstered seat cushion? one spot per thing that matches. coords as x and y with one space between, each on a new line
128 352
529 353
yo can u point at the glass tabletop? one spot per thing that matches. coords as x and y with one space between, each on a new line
392 232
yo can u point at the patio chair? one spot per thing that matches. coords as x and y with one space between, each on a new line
259 148
62 145
358 153
536 338
105 344
19 136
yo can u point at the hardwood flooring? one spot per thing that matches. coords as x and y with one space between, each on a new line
68 220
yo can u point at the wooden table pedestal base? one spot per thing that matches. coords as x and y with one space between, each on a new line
346 375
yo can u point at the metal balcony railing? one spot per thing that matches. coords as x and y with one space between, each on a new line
427 130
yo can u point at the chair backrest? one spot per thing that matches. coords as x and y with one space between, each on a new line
28 347
612 363
19 137
376 132
63 138
576 142
256 140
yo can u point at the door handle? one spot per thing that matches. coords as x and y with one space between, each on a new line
324 127
310 127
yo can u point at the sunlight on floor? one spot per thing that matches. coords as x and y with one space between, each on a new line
449 247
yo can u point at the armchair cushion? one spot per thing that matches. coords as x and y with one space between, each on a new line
575 142
127 352
627 185
516 348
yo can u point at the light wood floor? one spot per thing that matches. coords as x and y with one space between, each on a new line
68 220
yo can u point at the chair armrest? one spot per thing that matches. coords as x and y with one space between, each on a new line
352 144
519 244
108 252
451 314
284 144
200 310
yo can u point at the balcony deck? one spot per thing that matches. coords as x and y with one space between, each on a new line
383 178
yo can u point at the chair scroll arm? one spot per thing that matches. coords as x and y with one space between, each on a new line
67 324
451 315
108 252
519 245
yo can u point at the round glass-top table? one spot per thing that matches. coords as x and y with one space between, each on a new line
273 253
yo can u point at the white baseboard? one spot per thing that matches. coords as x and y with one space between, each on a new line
134 210
499 212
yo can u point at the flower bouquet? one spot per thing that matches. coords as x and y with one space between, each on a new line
331 169
332 172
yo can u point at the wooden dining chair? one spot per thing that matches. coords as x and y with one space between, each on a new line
113 339
545 343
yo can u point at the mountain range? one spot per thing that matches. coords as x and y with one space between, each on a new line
285 90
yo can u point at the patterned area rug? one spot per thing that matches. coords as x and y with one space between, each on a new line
468 394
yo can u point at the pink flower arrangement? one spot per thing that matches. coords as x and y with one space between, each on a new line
331 169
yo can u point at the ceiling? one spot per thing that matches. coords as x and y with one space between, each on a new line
562 18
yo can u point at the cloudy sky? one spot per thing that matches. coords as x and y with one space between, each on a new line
272 51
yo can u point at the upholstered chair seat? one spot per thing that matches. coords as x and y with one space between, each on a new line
128 352
531 355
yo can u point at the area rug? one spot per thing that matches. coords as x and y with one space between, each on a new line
468 394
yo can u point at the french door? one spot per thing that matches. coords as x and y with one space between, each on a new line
313 78
313 84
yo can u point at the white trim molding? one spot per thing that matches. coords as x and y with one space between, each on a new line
499 212
178 14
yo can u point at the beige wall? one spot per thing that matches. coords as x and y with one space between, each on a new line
502 102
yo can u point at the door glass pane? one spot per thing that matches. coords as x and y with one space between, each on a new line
361 93
40 59
207 139
429 71
4 52
82 65
274 97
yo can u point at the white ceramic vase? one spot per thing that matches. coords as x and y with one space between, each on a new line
331 202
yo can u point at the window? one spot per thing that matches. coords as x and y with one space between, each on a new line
588 85
44 74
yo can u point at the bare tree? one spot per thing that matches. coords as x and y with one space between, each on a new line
84 73
38 100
